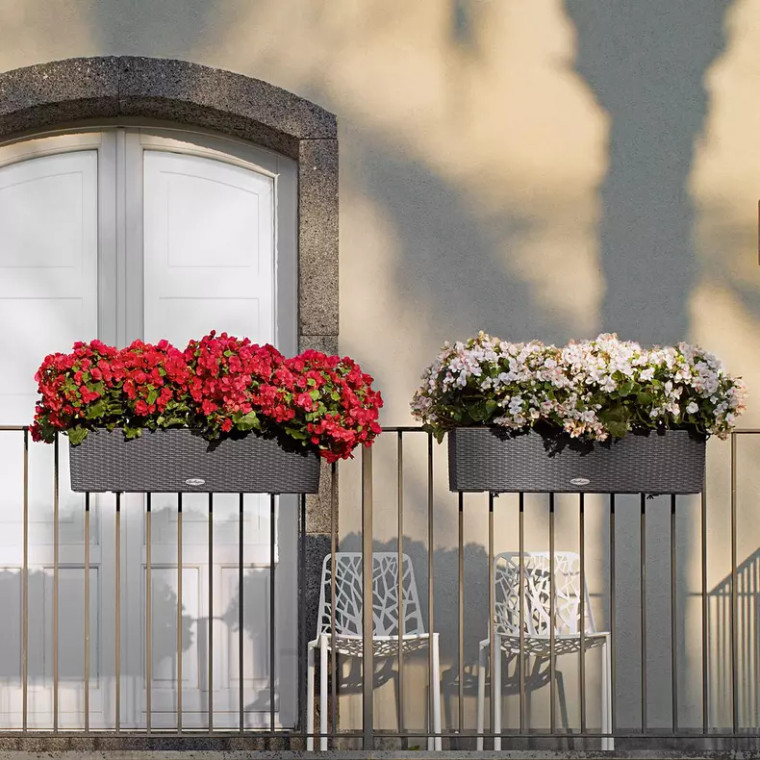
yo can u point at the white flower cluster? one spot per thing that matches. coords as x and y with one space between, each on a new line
595 389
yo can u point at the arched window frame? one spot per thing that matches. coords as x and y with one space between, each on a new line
129 90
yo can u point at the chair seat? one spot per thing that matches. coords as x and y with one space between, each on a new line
540 646
382 646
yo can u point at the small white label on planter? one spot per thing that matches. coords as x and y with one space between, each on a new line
580 481
195 481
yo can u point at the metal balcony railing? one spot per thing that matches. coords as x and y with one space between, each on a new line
673 581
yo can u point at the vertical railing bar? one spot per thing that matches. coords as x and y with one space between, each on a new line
25 594
749 594
272 609
180 567
367 597
582 659
492 621
705 674
754 681
734 580
241 612
334 530
431 593
148 615
460 612
613 639
643 594
302 693
87 612
754 684
552 631
211 612
56 541
117 615
400 589
673 616
521 664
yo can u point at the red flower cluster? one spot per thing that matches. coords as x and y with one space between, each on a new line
219 385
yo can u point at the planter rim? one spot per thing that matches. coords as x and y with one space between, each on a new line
519 432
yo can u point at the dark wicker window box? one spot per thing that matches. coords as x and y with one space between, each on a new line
178 460
487 459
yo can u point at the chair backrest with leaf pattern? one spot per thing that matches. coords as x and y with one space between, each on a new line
537 590
385 585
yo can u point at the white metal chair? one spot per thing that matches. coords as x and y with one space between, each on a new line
537 624
348 622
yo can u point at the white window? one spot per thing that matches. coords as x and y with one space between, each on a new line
122 234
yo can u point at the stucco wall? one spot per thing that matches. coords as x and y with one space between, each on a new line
547 169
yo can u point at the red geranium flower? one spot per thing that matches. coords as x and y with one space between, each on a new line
218 384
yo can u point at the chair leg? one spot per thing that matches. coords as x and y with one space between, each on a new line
430 729
532 675
560 678
438 743
496 694
310 695
396 677
481 693
323 693
608 743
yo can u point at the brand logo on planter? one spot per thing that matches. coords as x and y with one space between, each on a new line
195 481
580 481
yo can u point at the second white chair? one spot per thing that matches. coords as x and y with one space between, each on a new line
348 638
536 624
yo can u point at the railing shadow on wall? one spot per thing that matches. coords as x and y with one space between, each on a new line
737 641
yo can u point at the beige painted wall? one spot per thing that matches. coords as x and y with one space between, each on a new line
546 169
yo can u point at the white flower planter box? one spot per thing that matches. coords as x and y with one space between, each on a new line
489 459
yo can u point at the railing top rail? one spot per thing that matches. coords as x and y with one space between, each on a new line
385 428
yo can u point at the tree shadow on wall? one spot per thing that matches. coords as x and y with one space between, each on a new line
646 63
450 259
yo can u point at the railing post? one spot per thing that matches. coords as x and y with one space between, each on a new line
400 579
241 613
432 686
56 579
334 530
734 599
368 729
25 594
272 609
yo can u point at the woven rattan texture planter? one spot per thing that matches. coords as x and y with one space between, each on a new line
177 460
485 459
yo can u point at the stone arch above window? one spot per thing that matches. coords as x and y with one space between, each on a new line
39 98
